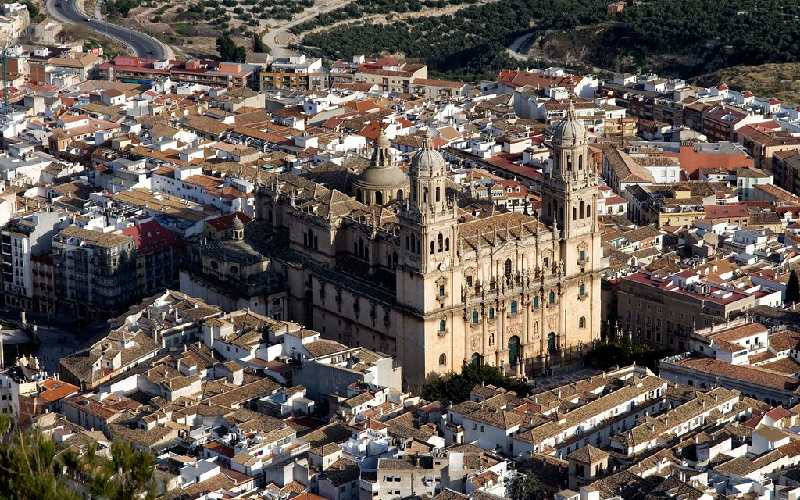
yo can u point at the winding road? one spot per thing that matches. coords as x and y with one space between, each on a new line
278 38
139 43
518 43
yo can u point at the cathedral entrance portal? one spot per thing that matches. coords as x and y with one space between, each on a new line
513 350
551 342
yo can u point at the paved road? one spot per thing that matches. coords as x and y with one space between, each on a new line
141 44
278 38
517 44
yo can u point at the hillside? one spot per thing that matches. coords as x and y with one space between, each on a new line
687 39
777 80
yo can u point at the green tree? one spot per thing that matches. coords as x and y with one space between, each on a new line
33 466
528 486
792 289
258 43
229 51
128 475
623 353
455 388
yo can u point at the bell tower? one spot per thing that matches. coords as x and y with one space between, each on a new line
429 217
569 193
428 280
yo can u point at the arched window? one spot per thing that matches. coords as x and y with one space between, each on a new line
491 338
447 244
580 162
425 195
513 307
574 213
441 242
378 198
442 325
475 316
491 313
432 247
442 360
582 322
438 193
408 243
508 267
552 297
581 209
399 195
582 289
588 210
536 302
569 163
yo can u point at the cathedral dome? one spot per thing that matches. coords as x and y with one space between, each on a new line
384 177
428 161
570 130
382 172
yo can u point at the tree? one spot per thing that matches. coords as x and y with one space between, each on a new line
792 289
622 353
128 474
33 466
258 44
528 486
229 51
455 388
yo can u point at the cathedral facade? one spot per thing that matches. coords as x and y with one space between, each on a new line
417 278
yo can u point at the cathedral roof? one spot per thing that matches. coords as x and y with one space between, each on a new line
328 204
497 229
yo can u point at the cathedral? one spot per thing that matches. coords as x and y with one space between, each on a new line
399 268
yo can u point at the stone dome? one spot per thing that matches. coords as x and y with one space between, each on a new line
570 130
428 161
382 172
384 177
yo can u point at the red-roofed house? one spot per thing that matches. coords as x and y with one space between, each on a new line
159 254
730 213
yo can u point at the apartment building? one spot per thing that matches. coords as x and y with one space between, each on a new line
662 309
203 72
293 73
159 254
22 242
95 271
